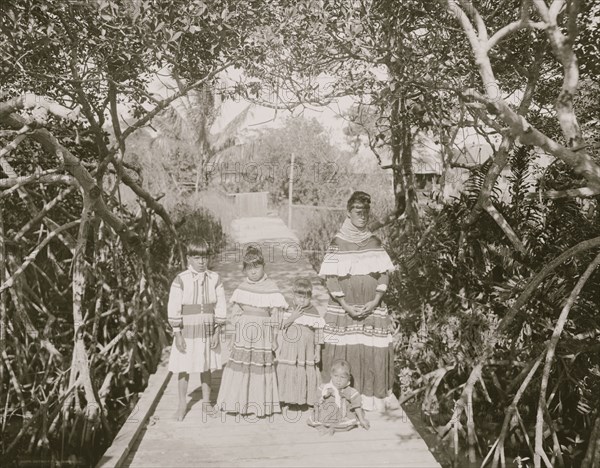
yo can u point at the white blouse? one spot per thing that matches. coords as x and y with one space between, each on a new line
193 287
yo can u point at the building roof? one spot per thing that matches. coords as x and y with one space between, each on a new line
472 155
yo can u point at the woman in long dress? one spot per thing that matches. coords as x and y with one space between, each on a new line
357 329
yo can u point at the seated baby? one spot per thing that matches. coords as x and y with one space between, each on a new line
339 407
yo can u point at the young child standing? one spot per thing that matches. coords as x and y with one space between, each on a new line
299 352
197 311
249 383
340 406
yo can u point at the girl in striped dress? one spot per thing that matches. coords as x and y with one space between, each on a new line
249 383
357 328
299 352
197 311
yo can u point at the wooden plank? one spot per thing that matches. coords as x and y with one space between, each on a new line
302 435
126 438
281 440
330 453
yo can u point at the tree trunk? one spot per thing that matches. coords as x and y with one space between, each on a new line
410 192
396 142
446 153
3 321
197 182
80 370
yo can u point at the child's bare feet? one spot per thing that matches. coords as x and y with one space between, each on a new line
180 414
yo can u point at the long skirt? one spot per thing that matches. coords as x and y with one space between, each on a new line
298 376
249 383
367 346
197 329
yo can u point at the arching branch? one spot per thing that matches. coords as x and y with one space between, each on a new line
560 324
34 253
73 165
47 177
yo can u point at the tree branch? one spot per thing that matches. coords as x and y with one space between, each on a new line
474 13
592 454
581 192
542 9
483 200
73 165
456 11
506 228
560 324
562 46
580 161
534 282
40 216
47 177
515 26
8 148
34 253
154 112
510 411
30 101
555 9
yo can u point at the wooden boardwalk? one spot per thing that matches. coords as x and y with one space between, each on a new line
154 438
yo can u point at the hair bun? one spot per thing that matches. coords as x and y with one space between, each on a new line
253 256
252 249
359 198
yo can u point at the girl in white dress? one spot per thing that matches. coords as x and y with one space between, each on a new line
197 310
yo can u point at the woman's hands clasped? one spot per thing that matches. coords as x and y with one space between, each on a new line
359 312
353 311
369 307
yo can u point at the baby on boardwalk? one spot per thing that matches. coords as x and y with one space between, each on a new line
299 349
340 406
196 311
249 383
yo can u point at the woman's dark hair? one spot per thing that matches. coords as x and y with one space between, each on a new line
197 247
303 287
360 199
253 257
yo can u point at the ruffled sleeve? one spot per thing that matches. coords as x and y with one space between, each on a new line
338 262
259 298
326 271
310 321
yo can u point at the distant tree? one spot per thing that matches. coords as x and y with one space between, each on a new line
320 169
